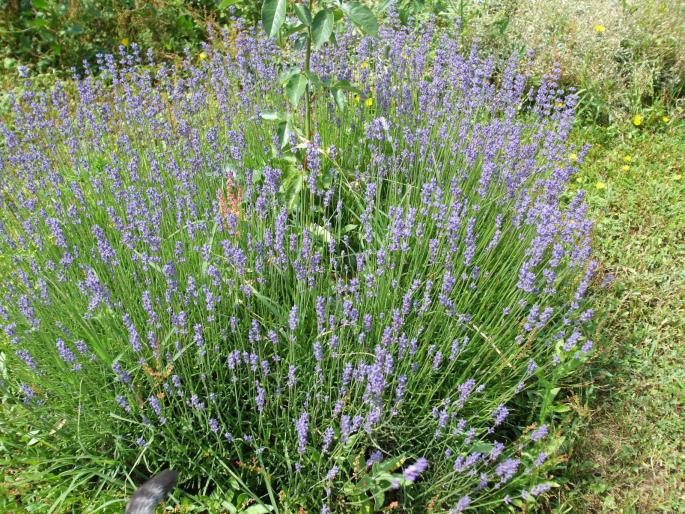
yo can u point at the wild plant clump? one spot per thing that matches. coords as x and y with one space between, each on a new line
383 327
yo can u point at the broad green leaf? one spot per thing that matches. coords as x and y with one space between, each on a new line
273 16
292 191
322 27
293 28
347 86
303 14
287 74
243 499
229 507
295 88
378 500
272 116
320 232
301 41
285 130
340 97
314 80
366 508
362 17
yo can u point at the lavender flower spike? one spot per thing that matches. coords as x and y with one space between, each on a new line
413 471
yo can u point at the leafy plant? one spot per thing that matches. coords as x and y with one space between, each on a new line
182 290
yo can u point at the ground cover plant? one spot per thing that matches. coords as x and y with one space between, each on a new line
627 454
373 317
624 57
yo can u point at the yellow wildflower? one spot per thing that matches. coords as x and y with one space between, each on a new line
628 158
573 156
364 65
600 185
677 176
637 120
357 98
665 119
599 29
368 102
625 167
202 56
580 180
125 41
559 103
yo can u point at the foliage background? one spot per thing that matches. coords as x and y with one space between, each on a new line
623 55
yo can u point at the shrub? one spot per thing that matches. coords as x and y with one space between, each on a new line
53 36
623 56
387 330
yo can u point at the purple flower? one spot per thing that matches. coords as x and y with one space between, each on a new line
302 429
133 336
539 433
375 457
327 439
413 471
122 375
507 469
332 473
293 319
260 399
500 414
26 357
461 505
195 402
123 403
539 489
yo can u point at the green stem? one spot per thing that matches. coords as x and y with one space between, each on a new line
307 96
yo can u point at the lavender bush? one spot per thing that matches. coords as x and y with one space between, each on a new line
386 330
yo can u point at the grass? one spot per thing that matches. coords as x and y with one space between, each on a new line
629 455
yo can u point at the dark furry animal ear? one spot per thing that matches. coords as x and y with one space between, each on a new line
148 495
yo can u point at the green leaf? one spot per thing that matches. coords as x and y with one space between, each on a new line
292 190
322 27
243 499
315 81
229 507
481 447
258 509
340 97
285 129
295 88
378 500
303 14
272 116
287 74
74 30
320 232
362 17
345 84
273 16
